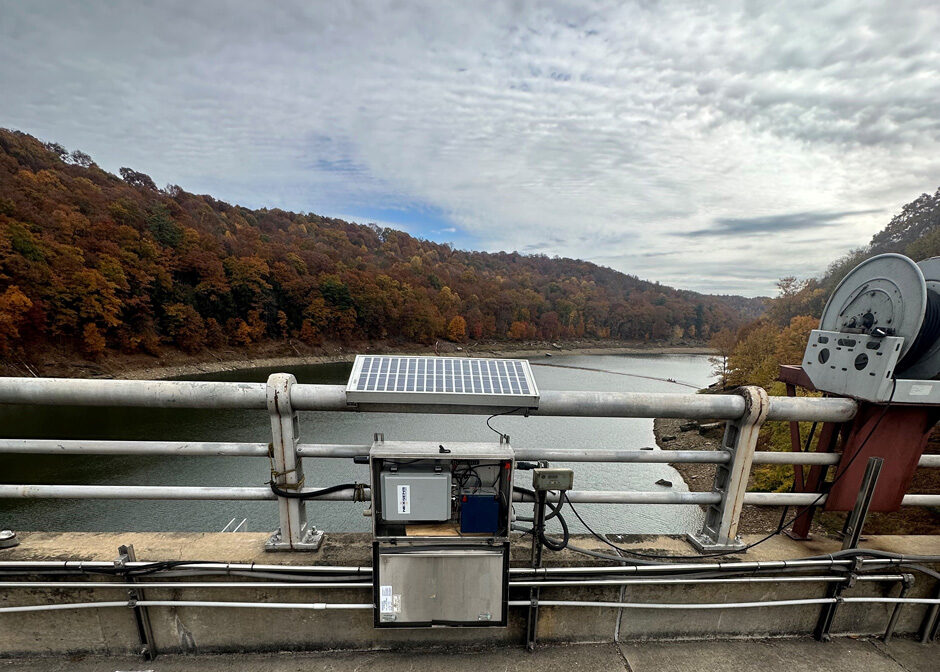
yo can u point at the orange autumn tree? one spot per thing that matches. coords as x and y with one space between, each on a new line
457 329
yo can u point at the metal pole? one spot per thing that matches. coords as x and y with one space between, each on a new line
295 533
532 622
720 531
907 582
135 595
928 629
856 519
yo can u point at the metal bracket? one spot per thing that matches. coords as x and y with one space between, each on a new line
827 614
142 619
720 531
294 532
310 540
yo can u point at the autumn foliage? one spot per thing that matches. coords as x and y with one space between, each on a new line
93 262
752 354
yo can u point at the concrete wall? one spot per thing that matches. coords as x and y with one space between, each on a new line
195 630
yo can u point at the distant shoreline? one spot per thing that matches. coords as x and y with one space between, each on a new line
188 369
173 364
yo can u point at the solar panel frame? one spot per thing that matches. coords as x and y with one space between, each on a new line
419 379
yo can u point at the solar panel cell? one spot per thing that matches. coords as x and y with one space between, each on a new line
442 380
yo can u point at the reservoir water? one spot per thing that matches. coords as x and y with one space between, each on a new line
320 427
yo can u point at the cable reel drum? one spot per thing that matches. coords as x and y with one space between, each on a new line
879 335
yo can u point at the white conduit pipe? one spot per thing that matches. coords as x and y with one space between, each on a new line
320 606
315 606
724 605
180 584
79 565
657 582
519 583
214 566
705 566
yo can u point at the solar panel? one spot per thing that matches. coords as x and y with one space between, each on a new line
442 380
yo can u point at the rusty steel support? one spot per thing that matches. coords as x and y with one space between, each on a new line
720 531
829 437
294 533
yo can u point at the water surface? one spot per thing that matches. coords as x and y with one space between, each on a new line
324 427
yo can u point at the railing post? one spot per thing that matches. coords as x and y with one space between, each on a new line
720 531
294 533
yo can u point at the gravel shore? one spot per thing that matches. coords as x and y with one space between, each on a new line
701 477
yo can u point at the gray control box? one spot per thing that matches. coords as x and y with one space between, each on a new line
415 495
552 479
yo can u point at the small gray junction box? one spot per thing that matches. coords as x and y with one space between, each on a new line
552 479
413 495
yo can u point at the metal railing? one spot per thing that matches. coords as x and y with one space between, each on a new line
744 412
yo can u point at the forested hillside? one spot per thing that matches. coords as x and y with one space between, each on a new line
99 263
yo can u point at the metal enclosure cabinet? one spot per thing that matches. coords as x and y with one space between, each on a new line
435 565
422 586
424 467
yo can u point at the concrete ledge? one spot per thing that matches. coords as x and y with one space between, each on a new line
793 655
204 630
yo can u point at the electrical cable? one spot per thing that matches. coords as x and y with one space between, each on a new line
290 494
496 415
551 544
616 373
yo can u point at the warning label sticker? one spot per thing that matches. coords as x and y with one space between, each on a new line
404 498
385 600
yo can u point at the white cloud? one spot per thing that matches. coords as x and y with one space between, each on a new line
592 130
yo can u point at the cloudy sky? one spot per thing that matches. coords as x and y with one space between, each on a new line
714 146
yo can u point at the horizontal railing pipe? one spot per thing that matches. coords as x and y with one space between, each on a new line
349 494
812 409
158 492
148 393
787 457
623 455
628 497
599 404
206 394
89 447
332 450
336 450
